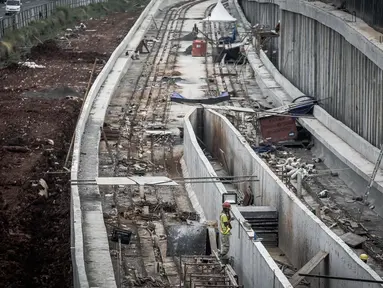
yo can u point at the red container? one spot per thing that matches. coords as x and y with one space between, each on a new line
199 48
275 129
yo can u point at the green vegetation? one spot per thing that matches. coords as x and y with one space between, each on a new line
15 42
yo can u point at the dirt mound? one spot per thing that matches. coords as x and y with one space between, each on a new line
38 121
47 49
36 229
51 49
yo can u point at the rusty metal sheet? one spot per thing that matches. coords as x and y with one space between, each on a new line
275 129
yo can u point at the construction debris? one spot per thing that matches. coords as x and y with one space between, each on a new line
44 188
352 239
323 194
17 149
32 65
121 235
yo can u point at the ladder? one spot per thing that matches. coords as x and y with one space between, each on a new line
373 175
372 178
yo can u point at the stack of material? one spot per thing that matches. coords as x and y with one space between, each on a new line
264 221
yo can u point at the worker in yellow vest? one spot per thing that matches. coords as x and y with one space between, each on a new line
225 228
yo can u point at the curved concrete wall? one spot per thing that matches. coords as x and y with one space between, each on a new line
301 233
326 55
78 213
252 262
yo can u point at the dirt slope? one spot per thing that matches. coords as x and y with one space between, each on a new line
38 114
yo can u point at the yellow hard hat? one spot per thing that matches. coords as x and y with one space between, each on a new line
363 257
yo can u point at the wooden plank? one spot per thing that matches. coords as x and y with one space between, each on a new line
212 239
308 267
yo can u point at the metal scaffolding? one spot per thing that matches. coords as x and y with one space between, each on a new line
206 271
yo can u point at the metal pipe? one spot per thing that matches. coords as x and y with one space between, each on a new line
340 278
186 178
164 183
82 106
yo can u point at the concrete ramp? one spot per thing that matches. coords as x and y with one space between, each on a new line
186 240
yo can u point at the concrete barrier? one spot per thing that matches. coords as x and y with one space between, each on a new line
252 262
301 233
78 215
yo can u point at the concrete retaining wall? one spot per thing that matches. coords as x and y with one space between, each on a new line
78 215
324 53
358 143
301 233
252 262
339 140
322 63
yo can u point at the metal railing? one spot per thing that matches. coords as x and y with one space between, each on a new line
38 12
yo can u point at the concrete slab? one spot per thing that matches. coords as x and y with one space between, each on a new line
352 239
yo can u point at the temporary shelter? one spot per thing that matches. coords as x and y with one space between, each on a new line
220 14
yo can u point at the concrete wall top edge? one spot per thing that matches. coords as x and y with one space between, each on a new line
197 147
359 34
244 142
79 271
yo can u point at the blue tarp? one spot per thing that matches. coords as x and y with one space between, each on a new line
264 149
224 96
177 95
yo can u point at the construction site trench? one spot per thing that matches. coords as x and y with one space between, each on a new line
151 235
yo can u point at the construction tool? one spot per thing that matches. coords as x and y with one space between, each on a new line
373 175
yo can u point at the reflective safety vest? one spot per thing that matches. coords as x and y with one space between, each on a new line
224 219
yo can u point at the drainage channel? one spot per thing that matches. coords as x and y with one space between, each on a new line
263 220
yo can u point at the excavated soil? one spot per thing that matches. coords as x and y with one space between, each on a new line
38 114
